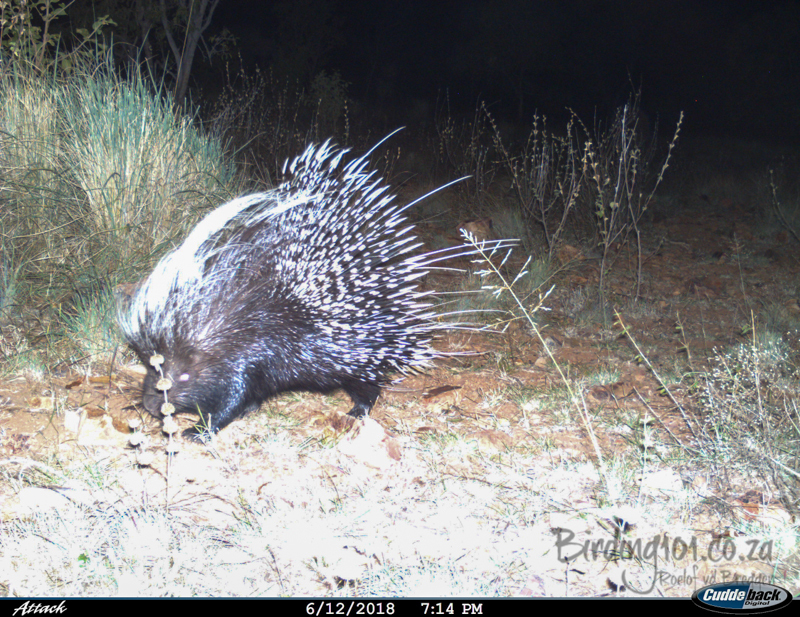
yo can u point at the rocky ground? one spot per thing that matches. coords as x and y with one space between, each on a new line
475 470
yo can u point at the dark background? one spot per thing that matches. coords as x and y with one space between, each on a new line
730 65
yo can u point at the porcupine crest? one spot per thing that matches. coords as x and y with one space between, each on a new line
310 286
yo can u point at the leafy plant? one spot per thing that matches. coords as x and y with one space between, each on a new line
26 41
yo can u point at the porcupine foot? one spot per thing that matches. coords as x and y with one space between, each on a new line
364 395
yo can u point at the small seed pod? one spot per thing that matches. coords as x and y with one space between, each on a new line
170 427
136 439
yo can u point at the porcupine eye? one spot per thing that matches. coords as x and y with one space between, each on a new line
184 377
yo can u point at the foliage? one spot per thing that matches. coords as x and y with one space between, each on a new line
593 185
25 40
100 177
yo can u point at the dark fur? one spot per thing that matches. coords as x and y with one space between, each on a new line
255 366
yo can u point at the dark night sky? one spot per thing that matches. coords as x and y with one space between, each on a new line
732 65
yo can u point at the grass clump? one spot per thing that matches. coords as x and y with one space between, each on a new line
100 178
749 405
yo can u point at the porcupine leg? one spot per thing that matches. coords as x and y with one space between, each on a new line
364 395
212 423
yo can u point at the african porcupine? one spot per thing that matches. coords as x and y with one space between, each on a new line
310 286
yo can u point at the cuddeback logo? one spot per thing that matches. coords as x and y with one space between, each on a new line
742 597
